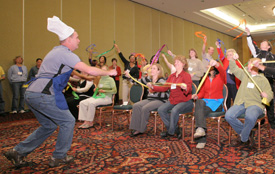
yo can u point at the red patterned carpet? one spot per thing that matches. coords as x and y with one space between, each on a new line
103 151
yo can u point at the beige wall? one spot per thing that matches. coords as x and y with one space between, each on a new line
135 28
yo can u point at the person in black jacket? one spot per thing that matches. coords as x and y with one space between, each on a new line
133 70
264 53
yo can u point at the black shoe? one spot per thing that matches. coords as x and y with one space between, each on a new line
54 162
135 133
178 132
165 134
16 159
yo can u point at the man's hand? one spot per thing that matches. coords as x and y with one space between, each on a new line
247 31
113 72
264 95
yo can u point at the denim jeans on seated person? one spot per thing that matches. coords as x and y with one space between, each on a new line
50 117
251 115
171 120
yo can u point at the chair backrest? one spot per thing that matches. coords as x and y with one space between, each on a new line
194 88
136 93
225 95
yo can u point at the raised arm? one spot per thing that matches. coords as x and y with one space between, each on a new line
166 61
253 48
93 70
204 44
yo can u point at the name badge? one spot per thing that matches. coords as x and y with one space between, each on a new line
190 69
20 73
263 59
229 72
173 86
250 85
100 85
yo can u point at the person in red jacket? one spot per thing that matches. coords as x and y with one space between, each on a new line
116 78
179 99
233 82
209 99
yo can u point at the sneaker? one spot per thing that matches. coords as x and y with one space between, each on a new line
22 111
200 132
15 158
54 162
13 112
200 145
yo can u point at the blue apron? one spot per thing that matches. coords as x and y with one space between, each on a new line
59 82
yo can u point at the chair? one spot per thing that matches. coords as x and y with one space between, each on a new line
104 109
135 95
214 115
257 127
194 89
155 113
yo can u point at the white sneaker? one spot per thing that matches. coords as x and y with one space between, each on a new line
200 145
13 112
22 111
200 132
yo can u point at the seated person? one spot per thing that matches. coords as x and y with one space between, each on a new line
142 109
179 99
209 99
85 89
248 100
87 107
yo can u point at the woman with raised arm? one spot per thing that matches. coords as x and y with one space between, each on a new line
180 86
209 99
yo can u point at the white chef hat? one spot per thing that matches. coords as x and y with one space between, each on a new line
58 27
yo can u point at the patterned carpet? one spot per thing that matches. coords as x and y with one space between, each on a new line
104 151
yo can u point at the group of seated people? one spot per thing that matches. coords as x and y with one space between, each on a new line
174 95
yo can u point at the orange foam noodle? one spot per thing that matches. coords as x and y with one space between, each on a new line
140 55
238 36
243 21
199 34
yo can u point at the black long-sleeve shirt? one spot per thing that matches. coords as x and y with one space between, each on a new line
134 71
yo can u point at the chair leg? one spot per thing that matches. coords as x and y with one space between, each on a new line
155 126
100 119
229 135
192 129
259 135
113 113
219 125
183 130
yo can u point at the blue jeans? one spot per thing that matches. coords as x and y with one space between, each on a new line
171 120
2 102
251 115
17 90
49 116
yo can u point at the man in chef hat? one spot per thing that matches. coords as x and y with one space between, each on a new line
45 98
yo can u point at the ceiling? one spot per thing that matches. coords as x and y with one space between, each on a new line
255 12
